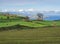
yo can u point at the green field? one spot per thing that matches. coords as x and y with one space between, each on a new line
31 36
30 24
14 20
42 33
46 35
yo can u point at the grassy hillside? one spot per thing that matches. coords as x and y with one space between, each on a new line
14 20
30 24
41 34
32 36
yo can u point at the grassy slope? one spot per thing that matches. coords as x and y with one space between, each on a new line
5 17
32 36
30 24
14 22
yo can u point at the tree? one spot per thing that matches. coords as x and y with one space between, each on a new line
40 16
7 17
27 18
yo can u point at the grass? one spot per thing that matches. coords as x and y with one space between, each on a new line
31 36
46 35
30 24
4 22
5 17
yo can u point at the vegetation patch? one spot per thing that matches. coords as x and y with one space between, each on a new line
18 27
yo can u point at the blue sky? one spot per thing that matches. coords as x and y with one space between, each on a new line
41 5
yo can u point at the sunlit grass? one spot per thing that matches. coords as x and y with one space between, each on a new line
31 36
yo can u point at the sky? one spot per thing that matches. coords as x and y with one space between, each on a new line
29 5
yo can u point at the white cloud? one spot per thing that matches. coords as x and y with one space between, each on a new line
31 9
20 10
9 10
5 10
12 10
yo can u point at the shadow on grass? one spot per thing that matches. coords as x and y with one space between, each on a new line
20 27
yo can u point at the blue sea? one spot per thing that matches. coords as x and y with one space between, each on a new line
53 18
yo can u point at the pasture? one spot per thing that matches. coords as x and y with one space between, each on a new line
48 35
44 32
